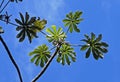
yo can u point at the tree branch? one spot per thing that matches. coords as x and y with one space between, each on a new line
47 64
11 58
5 6
76 45
9 22
1 3
67 30
43 33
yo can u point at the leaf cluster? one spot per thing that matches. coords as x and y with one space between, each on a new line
29 26
40 55
66 54
94 45
72 20
55 36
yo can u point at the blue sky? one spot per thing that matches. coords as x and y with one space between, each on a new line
100 16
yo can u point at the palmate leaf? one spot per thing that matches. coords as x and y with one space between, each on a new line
27 17
94 45
18 21
55 35
88 53
22 37
40 24
93 36
40 55
72 20
66 55
28 26
22 18
95 55
84 47
98 38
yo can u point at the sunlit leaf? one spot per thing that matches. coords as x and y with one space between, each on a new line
40 55
55 35
72 20
66 55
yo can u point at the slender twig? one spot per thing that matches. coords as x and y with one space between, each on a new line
67 30
5 6
47 64
43 33
9 22
52 48
1 3
76 45
11 58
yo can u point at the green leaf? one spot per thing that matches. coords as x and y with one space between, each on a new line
20 34
77 14
34 58
95 46
88 53
67 24
29 36
70 28
70 15
18 21
49 31
104 50
84 47
19 28
99 38
42 63
84 40
26 17
92 36
55 35
54 29
67 60
86 36
40 55
72 20
75 28
37 61
22 37
95 54
33 33
66 20
58 59
32 20
104 44
40 24
66 55
22 18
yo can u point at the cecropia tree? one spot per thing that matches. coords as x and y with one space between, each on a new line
29 27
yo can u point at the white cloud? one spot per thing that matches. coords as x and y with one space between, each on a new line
49 9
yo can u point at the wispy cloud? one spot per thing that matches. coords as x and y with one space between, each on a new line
49 9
